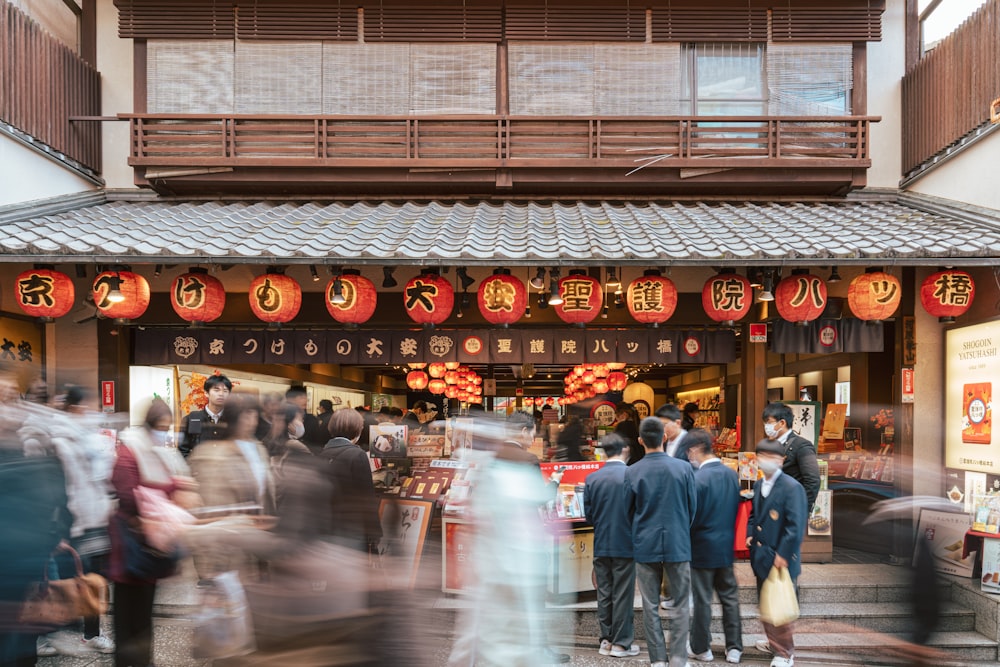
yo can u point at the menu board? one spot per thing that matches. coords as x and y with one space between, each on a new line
972 362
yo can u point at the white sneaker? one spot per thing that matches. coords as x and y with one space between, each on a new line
100 644
666 603
733 656
763 646
605 647
43 649
707 656
658 664
622 652
778 661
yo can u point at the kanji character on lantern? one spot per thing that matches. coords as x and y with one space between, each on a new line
800 298
582 298
947 294
874 295
197 296
275 298
357 298
428 299
44 293
502 298
727 297
121 295
652 298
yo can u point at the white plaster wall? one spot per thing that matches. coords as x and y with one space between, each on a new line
928 401
26 175
886 66
969 177
114 61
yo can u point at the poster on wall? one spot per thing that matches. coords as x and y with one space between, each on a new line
972 365
22 348
945 535
806 422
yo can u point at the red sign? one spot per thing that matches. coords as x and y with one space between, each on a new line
574 472
907 394
458 569
758 333
107 396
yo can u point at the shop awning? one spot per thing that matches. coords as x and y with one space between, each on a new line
894 230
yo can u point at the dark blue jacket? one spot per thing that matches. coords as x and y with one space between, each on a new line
607 512
660 496
777 525
713 534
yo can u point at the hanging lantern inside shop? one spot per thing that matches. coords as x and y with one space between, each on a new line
588 376
417 365
44 293
417 380
874 295
601 386
502 298
437 386
275 298
121 295
351 298
727 298
197 297
800 298
582 298
437 369
947 294
617 381
651 299
452 365
451 377
428 299
451 391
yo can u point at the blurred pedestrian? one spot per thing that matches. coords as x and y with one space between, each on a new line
627 427
775 531
569 441
671 417
713 535
354 503
614 568
312 435
690 416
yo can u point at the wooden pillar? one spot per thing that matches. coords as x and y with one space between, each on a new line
902 534
753 398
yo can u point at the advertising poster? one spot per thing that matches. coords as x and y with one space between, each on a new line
820 522
991 566
972 365
945 534
388 440
457 568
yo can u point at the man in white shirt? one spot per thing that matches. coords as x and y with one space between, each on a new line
202 425
674 433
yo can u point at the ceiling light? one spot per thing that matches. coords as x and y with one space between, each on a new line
157 270
464 278
613 281
115 293
765 294
619 301
312 272
388 280
338 291
538 282
543 300
554 299
604 312
834 276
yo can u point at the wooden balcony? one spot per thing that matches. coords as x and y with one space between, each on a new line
553 153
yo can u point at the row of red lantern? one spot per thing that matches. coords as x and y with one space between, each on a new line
450 379
429 299
589 380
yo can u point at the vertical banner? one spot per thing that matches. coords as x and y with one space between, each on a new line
407 347
107 396
906 394
216 347
505 346
474 346
310 347
248 347
633 346
279 347
441 346
374 347
537 347
602 346
663 346
570 347
342 347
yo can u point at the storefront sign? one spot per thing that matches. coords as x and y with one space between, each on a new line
945 536
513 346
972 364
907 391
758 333
107 396
458 567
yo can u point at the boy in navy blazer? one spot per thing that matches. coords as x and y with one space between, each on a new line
614 568
660 495
775 531
713 537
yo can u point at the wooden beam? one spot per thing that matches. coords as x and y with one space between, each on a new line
753 398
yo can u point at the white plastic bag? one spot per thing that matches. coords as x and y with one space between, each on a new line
163 521
223 627
778 602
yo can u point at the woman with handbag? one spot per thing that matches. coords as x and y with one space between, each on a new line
141 463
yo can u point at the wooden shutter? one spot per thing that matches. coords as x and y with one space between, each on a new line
803 21
194 76
554 20
810 79
176 19
297 19
709 24
448 21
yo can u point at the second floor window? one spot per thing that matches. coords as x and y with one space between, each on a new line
723 80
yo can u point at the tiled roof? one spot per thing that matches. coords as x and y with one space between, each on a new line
484 233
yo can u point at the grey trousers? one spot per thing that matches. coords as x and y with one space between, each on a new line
615 598
649 576
722 581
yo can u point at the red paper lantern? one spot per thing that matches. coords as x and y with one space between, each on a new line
800 298
589 377
451 391
418 365
197 296
601 370
437 386
360 298
451 377
727 298
651 299
617 381
44 293
417 380
133 288
874 295
947 294
275 298
601 386
437 369
452 365
428 299
617 365
582 298
502 298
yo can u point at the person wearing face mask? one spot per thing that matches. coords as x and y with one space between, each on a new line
354 521
713 533
775 531
673 433
800 455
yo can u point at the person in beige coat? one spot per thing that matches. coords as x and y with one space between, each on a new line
234 478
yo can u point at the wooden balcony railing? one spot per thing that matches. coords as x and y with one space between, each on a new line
42 84
499 141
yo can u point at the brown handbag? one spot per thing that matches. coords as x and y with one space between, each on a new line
52 604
